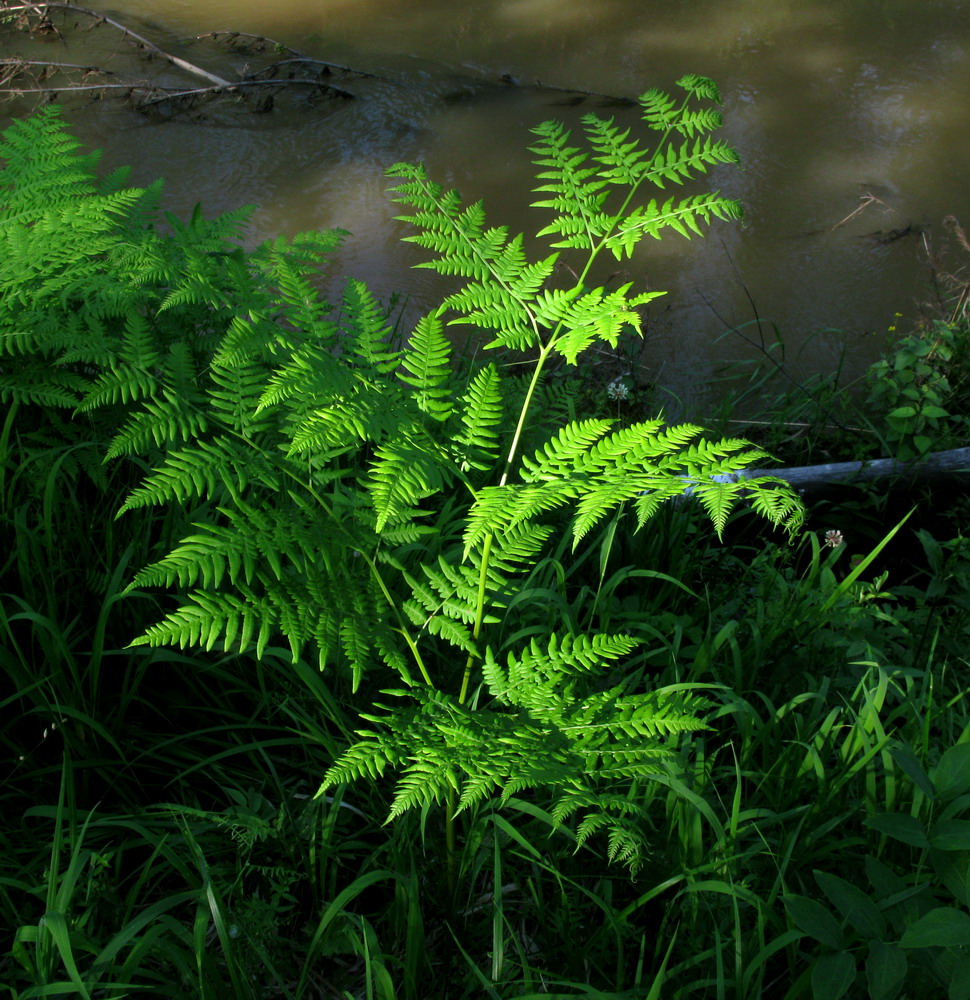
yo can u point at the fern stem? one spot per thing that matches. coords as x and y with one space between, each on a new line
487 544
527 404
412 645
451 845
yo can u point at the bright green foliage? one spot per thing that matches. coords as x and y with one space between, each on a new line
373 502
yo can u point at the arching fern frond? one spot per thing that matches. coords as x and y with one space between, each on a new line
477 440
576 190
203 472
364 323
167 421
425 366
213 618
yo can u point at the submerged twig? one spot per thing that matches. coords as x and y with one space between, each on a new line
174 93
867 199
627 102
296 57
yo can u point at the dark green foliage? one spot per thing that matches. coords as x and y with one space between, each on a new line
773 740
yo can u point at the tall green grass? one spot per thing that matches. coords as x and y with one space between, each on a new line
161 836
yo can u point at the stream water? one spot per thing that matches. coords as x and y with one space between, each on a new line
851 118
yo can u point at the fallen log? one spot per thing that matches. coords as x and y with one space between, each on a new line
938 466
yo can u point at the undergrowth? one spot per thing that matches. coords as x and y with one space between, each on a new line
451 597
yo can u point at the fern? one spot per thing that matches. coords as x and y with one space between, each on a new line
476 441
425 366
357 492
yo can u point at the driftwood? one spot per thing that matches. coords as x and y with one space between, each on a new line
940 466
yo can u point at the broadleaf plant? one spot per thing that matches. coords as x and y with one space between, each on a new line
382 505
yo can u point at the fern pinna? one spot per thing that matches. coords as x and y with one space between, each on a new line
382 506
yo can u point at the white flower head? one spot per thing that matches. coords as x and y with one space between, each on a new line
618 390
833 538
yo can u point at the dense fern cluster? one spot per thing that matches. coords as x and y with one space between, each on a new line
372 500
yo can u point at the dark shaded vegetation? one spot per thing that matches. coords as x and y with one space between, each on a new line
163 831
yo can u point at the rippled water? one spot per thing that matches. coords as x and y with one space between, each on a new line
836 108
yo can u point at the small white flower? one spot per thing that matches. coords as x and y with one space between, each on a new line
833 538
618 390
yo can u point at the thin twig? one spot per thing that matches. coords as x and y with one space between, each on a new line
297 56
867 199
796 423
172 93
231 36
71 88
55 65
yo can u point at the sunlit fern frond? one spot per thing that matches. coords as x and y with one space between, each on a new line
573 191
210 469
405 471
425 366
364 328
503 283
683 216
476 442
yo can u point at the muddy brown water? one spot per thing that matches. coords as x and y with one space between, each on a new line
852 118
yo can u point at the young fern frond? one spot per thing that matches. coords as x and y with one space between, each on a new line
684 216
425 365
538 679
481 412
403 474
364 323
577 191
625 162
502 281
679 164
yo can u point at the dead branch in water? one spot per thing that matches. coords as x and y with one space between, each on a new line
172 93
41 11
260 43
20 76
